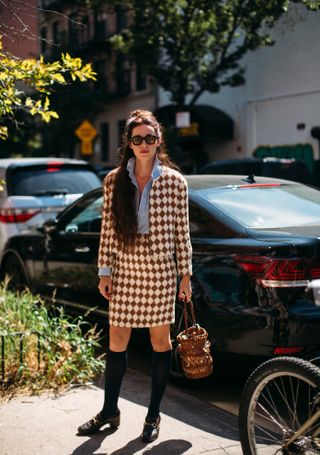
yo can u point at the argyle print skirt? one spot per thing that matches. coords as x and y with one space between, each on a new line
143 288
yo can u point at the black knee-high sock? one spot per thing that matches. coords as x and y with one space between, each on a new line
116 365
161 362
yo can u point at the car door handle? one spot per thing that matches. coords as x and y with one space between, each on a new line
82 249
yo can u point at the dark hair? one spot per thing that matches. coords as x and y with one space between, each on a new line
123 201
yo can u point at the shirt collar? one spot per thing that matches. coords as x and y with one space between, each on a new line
155 173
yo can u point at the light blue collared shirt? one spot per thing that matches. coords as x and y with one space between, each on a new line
141 201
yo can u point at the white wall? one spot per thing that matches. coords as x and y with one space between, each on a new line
283 84
282 89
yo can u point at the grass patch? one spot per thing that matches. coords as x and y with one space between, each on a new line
43 351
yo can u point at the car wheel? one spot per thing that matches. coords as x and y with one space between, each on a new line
13 271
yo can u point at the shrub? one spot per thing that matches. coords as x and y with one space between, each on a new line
44 351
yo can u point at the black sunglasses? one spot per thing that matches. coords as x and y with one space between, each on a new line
149 139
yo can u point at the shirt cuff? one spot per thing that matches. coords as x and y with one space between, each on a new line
104 271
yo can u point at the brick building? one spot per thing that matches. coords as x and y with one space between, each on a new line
19 25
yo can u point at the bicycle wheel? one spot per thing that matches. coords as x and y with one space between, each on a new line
279 396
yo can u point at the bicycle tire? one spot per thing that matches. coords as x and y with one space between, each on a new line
276 400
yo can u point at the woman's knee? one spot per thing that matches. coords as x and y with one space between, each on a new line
160 338
161 346
119 338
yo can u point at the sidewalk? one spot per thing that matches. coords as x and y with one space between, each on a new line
46 425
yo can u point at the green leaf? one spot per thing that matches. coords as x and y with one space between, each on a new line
39 76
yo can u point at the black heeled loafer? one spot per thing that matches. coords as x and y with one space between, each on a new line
151 428
94 425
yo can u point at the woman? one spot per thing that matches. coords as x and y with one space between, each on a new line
144 226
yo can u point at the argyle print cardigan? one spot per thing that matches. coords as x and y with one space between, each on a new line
168 221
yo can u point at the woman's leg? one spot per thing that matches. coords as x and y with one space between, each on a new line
161 362
116 364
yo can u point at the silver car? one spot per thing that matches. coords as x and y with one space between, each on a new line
36 189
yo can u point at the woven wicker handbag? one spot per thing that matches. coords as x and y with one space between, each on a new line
194 347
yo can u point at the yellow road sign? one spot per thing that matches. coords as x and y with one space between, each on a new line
86 131
86 148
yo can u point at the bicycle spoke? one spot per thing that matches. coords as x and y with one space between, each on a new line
273 406
294 399
278 405
270 438
269 417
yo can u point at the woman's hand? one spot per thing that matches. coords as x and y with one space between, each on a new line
105 286
185 291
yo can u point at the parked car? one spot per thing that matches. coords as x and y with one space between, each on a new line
36 189
283 168
255 248
102 171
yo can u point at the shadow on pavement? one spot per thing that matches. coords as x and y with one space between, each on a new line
179 405
170 447
90 446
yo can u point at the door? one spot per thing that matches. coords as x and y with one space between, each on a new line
68 270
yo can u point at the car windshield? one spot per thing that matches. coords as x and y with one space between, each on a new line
52 181
268 206
88 220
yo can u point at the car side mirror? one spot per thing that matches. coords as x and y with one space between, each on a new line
49 226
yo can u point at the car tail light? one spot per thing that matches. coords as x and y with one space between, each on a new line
54 166
279 350
314 273
53 169
10 215
278 273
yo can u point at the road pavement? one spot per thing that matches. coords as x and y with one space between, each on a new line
46 425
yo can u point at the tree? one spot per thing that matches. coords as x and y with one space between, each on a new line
74 104
18 76
193 46
22 135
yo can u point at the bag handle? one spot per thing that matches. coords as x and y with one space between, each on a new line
185 313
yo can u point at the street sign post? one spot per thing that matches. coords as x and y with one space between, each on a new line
86 132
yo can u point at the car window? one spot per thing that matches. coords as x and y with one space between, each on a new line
88 220
204 225
268 207
51 181
220 284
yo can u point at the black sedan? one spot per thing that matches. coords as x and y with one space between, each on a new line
256 246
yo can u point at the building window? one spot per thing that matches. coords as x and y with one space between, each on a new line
141 78
121 127
55 32
72 29
121 18
85 29
43 40
104 141
123 79
100 68
101 30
